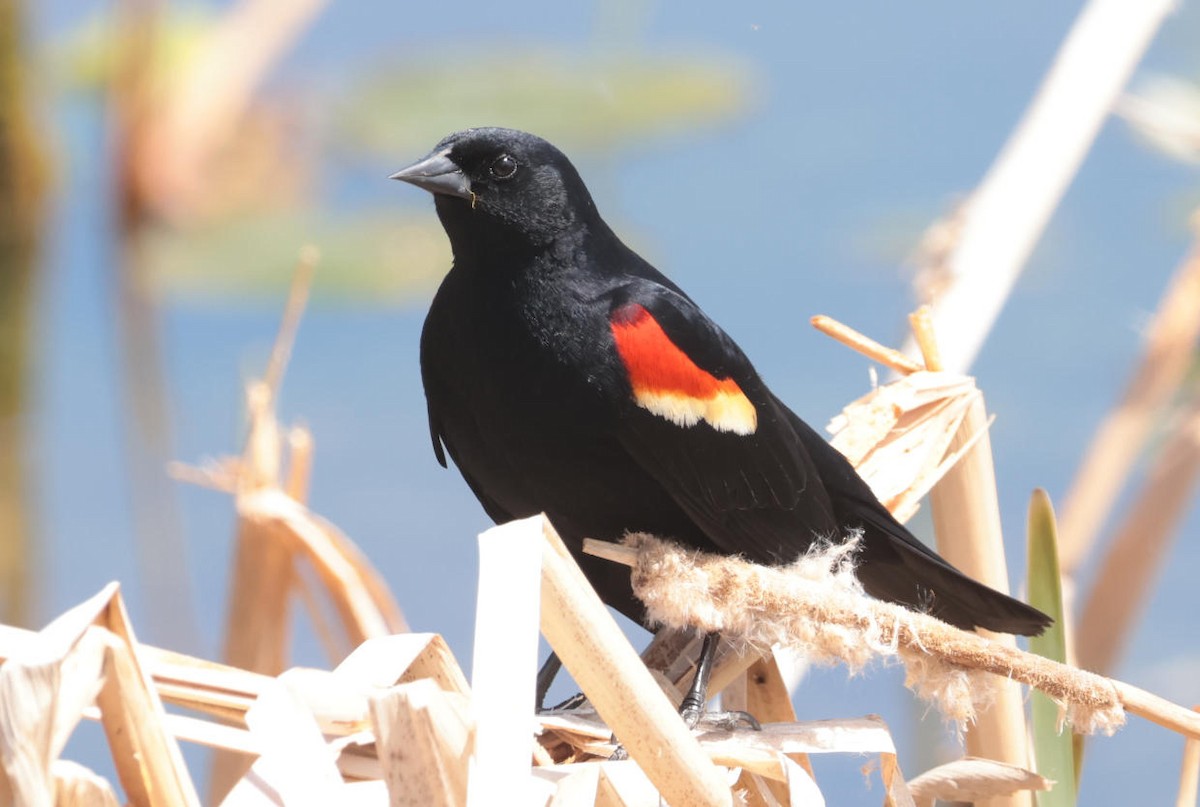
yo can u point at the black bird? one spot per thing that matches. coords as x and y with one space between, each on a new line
565 374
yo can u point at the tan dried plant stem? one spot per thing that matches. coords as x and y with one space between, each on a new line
966 521
599 657
1170 343
276 531
865 345
1189 773
193 113
257 622
1003 219
921 322
966 516
972 780
762 606
88 654
1123 584
761 691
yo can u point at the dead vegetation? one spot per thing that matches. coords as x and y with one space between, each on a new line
396 722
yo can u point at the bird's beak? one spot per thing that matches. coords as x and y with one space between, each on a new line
436 173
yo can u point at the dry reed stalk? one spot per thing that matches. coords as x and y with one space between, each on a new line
818 606
1189 772
669 648
147 759
921 322
306 586
761 691
603 784
257 622
899 440
767 693
865 345
973 780
337 700
1005 216
1122 585
423 737
771 753
289 325
198 110
673 654
600 659
505 661
928 432
1170 343
76 786
577 787
296 765
770 760
276 532
342 568
300 454
898 436
259 614
798 788
966 521
87 654
1157 710
221 691
404 658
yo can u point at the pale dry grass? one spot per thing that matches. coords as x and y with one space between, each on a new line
395 721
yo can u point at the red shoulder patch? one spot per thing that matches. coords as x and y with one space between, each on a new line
668 383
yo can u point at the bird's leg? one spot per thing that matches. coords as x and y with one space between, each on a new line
693 702
692 707
545 678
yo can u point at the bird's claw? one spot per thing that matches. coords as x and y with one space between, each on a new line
695 718
723 721
691 715
573 702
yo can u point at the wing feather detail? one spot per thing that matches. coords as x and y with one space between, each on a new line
667 383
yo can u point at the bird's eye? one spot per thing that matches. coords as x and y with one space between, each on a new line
503 167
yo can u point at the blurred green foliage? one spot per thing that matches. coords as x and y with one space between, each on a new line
88 56
243 247
383 256
594 103
1055 750
25 174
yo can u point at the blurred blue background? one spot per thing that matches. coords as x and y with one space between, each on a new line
812 146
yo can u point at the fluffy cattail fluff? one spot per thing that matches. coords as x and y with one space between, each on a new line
818 607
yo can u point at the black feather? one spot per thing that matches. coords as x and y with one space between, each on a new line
528 393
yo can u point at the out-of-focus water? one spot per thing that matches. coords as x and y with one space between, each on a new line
868 121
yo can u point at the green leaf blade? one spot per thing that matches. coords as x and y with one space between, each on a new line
1055 751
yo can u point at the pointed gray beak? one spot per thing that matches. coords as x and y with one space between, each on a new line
436 173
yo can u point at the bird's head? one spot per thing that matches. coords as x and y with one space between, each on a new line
501 186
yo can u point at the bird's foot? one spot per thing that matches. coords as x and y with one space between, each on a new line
720 721
695 718
573 702
693 714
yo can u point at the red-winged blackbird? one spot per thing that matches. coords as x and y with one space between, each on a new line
565 374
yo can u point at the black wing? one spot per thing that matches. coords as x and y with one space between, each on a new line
771 493
757 494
